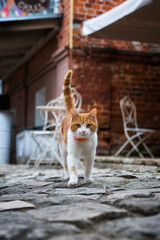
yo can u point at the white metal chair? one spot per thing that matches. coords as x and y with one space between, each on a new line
47 139
131 129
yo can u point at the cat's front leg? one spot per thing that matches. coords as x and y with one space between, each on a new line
73 170
63 152
89 161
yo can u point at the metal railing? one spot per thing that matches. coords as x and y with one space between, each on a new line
10 13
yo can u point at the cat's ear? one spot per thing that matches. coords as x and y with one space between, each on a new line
93 112
74 113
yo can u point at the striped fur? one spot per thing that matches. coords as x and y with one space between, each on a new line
67 91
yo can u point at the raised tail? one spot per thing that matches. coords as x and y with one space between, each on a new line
67 91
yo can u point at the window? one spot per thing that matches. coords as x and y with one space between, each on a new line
40 99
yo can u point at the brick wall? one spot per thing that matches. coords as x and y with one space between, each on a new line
64 34
104 78
137 77
86 9
92 80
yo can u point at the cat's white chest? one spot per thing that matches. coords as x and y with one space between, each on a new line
83 147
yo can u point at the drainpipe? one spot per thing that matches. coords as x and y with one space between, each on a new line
71 35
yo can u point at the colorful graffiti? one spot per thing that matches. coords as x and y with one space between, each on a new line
15 8
32 6
9 9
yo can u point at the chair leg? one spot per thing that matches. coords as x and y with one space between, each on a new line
41 142
43 154
121 148
145 145
36 149
39 159
129 140
32 155
148 150
134 148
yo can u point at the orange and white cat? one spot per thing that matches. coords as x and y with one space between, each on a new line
78 137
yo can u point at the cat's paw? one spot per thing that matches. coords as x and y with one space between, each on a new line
73 182
89 180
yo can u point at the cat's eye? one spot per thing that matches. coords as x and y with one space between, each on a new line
89 125
78 125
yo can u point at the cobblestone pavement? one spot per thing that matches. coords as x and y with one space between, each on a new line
123 203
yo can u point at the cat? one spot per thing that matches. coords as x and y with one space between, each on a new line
77 137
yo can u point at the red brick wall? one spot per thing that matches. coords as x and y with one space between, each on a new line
86 9
92 79
137 77
63 36
104 78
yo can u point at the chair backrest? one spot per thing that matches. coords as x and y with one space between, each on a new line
129 115
76 98
54 118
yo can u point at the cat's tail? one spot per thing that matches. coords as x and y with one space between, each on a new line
67 91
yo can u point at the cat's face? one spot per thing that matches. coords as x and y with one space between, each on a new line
84 125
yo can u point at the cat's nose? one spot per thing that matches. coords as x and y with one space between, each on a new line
83 132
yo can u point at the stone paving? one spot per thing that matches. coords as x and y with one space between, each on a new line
123 203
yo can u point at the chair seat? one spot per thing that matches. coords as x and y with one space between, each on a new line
44 132
140 130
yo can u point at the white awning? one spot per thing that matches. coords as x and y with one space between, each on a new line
133 20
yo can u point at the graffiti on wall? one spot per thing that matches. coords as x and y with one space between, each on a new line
31 6
16 8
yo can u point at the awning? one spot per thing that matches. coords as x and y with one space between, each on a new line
133 20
